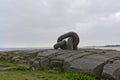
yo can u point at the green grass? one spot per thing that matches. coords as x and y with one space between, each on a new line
22 74
8 62
42 75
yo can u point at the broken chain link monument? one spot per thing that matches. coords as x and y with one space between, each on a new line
70 44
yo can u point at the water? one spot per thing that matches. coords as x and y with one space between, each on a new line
111 48
13 49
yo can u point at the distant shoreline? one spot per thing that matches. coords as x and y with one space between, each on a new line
105 46
111 46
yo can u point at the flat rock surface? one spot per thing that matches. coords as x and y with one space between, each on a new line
96 62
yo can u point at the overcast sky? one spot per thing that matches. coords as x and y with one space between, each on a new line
38 23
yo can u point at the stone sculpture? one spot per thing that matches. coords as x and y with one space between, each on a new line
70 44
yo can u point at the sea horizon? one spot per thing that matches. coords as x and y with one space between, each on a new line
24 48
34 48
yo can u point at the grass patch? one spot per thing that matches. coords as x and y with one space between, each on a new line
21 74
8 63
42 75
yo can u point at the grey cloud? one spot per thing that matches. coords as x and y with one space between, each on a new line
42 21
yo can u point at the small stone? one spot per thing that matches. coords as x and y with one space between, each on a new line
35 65
7 68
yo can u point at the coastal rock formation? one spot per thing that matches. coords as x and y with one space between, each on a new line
97 62
70 44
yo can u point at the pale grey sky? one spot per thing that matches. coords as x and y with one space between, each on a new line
38 23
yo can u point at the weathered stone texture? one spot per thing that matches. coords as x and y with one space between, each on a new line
97 62
112 69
